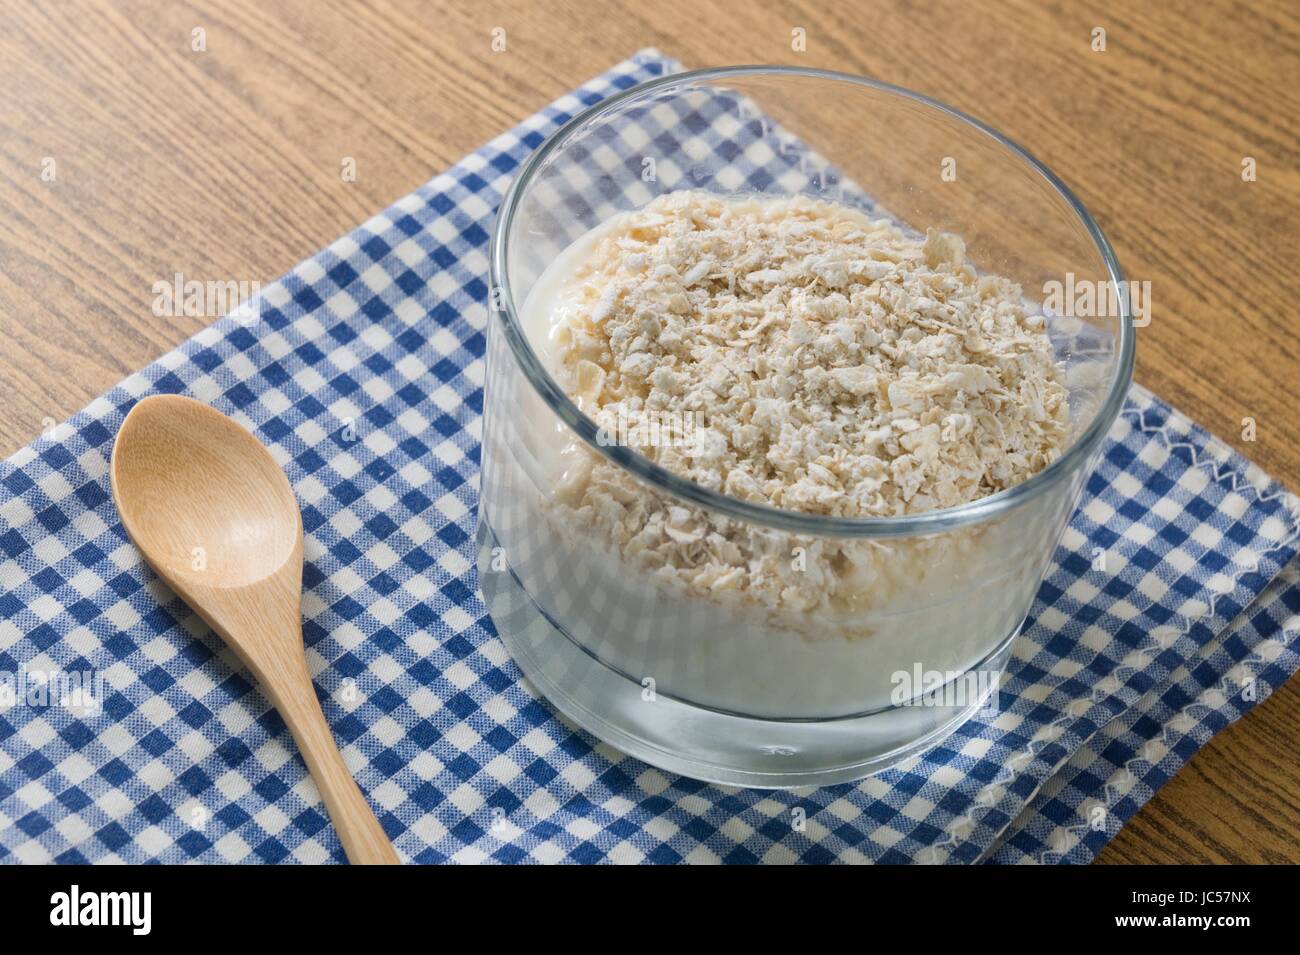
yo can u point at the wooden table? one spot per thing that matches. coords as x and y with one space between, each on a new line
225 163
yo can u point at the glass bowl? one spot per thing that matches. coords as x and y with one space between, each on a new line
751 694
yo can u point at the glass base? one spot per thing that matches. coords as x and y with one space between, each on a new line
694 741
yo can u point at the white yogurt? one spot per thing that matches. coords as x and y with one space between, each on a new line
961 594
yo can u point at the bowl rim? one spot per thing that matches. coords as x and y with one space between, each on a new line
1075 457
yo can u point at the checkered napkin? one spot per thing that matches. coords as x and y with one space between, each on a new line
1167 612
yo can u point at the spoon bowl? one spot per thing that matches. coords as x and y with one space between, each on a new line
213 511
216 519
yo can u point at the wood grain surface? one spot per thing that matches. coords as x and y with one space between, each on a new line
225 164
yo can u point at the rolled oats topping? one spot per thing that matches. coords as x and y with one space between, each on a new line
821 361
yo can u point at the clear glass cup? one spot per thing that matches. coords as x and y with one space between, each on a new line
746 694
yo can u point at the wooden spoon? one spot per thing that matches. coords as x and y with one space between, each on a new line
215 518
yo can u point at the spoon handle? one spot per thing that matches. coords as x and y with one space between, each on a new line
364 840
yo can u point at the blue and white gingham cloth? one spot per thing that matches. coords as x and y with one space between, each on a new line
363 374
